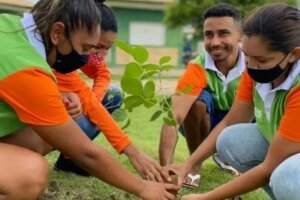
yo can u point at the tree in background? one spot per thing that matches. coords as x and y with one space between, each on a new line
184 12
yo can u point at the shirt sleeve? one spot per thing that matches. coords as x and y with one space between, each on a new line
68 82
289 128
194 77
33 95
98 114
97 70
93 109
245 88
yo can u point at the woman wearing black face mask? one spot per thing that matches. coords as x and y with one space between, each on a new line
70 62
268 152
33 118
269 75
96 101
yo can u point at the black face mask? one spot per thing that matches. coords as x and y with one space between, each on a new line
70 62
266 75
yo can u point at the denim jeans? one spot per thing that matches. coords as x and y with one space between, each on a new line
112 101
243 147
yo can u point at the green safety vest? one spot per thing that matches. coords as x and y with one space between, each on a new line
16 53
222 96
268 125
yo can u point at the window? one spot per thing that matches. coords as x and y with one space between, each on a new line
147 33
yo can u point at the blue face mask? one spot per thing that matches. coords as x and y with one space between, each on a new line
70 62
266 75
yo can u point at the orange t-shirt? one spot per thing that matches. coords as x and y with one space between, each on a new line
194 76
33 95
287 128
91 101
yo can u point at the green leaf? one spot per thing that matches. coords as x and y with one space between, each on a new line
125 47
119 115
187 89
170 114
156 115
148 103
132 102
165 107
148 74
133 70
140 54
164 60
149 89
151 67
132 86
166 67
170 121
126 125
165 103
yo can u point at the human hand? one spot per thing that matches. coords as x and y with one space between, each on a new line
181 170
146 166
194 197
158 191
72 104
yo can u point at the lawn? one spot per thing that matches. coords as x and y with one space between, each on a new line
145 135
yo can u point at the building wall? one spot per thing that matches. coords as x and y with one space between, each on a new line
173 38
10 12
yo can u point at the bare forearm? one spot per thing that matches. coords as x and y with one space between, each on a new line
130 150
255 178
180 107
88 155
102 165
167 144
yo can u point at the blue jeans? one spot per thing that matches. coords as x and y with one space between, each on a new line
243 147
112 101
215 115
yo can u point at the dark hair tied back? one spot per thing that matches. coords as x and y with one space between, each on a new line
109 21
277 23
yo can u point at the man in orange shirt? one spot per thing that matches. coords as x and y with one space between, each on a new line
214 76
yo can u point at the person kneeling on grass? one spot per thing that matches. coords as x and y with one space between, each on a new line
97 101
213 76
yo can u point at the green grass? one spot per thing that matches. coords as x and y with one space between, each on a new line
145 135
